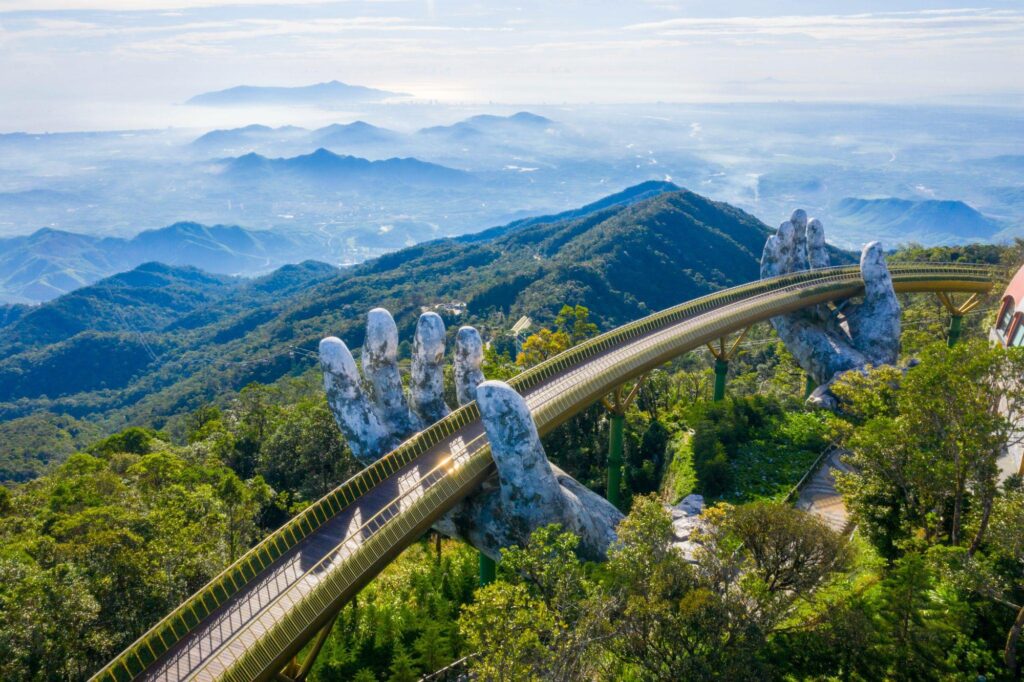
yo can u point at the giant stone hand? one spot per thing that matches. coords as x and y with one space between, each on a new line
528 491
829 341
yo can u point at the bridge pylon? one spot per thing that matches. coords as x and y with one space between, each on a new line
722 354
617 406
956 313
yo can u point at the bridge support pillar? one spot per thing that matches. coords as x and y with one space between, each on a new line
616 425
617 405
955 324
956 314
488 570
721 372
298 672
722 354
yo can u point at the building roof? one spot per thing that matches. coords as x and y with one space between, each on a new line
1016 288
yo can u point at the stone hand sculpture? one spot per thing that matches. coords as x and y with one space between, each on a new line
827 342
375 416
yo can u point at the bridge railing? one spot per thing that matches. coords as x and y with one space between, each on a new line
176 625
612 338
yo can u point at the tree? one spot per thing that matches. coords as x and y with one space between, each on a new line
305 452
402 668
786 555
541 346
242 503
922 454
918 638
575 322
572 325
1006 540
433 648
542 626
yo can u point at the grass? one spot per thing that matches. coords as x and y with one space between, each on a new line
680 477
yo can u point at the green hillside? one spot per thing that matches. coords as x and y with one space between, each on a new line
158 341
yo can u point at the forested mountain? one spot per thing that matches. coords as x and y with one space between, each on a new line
152 343
929 221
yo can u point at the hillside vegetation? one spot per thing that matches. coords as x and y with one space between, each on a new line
631 254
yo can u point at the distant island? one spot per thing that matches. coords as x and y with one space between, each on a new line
319 94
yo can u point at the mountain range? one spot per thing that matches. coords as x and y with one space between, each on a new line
324 166
47 263
900 221
485 129
175 338
319 94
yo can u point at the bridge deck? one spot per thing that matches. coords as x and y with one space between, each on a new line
279 607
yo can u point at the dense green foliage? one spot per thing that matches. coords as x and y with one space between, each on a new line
96 551
404 624
211 337
97 548
648 613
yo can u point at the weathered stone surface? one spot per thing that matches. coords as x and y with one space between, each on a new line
380 367
826 343
532 493
875 324
685 520
353 411
427 377
528 491
469 354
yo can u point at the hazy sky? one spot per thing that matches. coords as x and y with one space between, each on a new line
78 64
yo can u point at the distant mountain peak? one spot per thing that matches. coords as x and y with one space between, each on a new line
319 94
528 117
323 164
480 123
901 220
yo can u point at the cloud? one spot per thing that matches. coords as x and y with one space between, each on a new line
922 25
141 5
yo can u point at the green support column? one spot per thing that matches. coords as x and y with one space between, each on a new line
721 371
955 324
488 570
809 387
615 427
956 314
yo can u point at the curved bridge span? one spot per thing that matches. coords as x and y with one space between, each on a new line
253 618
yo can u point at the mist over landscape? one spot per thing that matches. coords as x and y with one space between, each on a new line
357 188
590 341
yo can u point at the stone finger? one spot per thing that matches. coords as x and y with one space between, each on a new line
798 256
352 410
380 367
427 385
530 492
875 324
469 354
817 252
